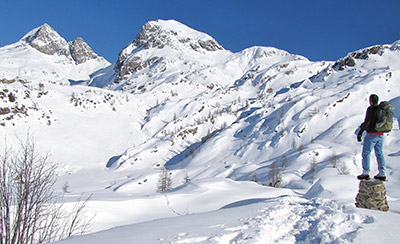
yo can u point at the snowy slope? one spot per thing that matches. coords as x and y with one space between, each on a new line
277 220
175 98
43 55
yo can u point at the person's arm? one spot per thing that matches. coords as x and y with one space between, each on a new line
368 118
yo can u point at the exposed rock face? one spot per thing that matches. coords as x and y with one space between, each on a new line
80 51
150 37
135 64
349 61
372 195
159 35
46 40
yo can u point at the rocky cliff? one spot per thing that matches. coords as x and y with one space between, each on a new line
46 40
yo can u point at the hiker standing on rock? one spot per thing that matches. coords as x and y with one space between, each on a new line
373 140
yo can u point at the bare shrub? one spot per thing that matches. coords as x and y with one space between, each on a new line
254 177
65 188
30 210
342 169
284 160
275 176
294 144
300 148
334 160
186 179
164 182
313 167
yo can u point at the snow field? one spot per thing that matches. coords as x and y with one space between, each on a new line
276 220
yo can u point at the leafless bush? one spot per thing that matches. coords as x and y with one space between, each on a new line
300 148
30 210
334 160
224 125
313 167
284 160
186 179
254 177
275 176
294 144
65 187
165 181
342 169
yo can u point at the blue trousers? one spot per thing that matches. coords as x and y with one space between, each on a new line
373 142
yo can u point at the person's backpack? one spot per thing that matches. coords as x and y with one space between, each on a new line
384 113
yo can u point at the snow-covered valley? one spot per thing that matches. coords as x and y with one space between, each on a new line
220 123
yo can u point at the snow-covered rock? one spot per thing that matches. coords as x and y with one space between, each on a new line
46 40
43 55
80 51
169 33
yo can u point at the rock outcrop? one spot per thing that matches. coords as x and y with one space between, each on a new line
363 54
372 195
162 34
46 40
81 51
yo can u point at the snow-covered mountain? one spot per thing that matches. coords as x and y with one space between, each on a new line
175 98
43 55
168 51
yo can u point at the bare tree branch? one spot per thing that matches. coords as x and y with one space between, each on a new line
30 210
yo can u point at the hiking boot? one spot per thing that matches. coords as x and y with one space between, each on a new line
380 177
363 177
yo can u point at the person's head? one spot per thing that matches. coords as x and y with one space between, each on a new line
373 99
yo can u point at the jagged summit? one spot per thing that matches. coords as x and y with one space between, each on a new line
81 51
43 54
160 34
46 40
168 47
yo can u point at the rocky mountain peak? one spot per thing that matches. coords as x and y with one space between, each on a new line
161 33
81 51
171 34
46 40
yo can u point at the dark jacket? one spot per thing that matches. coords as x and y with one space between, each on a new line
370 120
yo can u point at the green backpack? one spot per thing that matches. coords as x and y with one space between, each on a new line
384 113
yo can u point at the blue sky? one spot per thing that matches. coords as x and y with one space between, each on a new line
316 29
